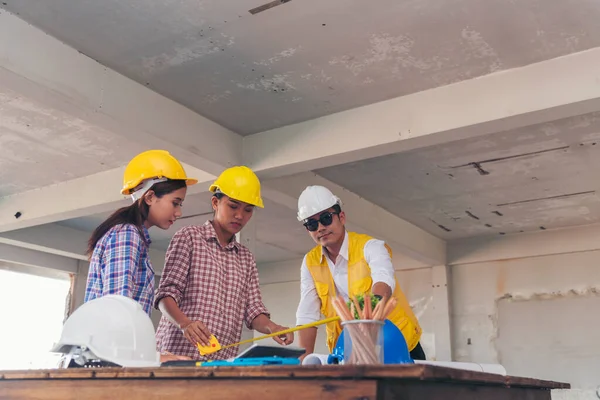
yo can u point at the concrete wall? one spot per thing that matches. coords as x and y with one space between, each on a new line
530 313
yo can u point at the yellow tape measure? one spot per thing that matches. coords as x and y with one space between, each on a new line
215 346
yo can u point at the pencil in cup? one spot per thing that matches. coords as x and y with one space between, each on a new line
363 337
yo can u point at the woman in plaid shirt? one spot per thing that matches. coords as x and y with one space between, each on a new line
210 282
118 248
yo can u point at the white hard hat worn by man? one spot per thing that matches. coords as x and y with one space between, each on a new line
347 264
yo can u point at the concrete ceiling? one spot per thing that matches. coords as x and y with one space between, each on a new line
306 58
542 177
294 62
42 146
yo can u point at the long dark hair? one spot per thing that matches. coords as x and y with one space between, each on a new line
135 214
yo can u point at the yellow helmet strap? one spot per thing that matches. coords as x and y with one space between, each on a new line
141 189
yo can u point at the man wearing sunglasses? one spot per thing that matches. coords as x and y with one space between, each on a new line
347 264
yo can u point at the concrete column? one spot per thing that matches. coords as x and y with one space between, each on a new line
441 313
80 284
247 237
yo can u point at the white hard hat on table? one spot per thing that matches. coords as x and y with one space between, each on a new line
111 328
315 199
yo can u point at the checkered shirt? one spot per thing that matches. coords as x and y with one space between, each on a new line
215 285
120 265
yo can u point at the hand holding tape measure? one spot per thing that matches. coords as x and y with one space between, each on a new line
196 332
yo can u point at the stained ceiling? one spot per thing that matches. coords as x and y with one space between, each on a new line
541 177
42 146
307 58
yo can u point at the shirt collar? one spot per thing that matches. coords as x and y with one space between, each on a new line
146 235
209 233
343 249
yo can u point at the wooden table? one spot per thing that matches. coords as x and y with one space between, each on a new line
405 382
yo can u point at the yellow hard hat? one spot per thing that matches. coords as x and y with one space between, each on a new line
153 164
240 183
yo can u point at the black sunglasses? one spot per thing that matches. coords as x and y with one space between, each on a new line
325 219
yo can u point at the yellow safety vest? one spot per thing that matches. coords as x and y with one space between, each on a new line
359 282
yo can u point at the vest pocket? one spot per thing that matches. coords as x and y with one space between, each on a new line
361 286
323 291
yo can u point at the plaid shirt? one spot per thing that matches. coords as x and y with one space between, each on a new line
212 284
120 265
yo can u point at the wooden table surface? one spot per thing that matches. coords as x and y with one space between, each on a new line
406 382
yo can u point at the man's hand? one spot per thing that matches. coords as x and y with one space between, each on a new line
285 339
382 289
196 332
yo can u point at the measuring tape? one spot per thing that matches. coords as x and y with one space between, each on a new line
215 346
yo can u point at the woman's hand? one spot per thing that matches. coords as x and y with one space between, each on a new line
196 332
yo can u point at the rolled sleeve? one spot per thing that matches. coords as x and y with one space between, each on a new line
254 303
177 265
309 307
380 262
122 257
